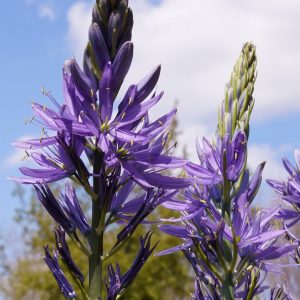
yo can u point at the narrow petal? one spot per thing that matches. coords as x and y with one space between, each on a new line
99 46
146 86
106 93
137 111
64 285
122 64
35 143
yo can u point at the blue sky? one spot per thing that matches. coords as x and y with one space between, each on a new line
197 50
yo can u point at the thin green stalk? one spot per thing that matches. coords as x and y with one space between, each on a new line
208 264
96 240
228 283
235 249
226 189
220 257
252 287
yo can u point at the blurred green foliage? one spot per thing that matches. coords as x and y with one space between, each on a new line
165 277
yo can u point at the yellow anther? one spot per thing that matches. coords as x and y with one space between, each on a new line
29 120
25 156
130 100
105 126
160 123
92 93
123 115
122 151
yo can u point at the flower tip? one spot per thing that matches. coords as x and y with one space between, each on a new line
263 164
129 45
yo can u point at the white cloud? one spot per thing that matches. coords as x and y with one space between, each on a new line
17 155
79 19
198 43
258 153
46 11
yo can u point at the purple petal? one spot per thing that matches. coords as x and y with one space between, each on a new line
136 111
260 238
156 160
99 46
202 175
177 231
122 63
106 93
35 143
145 87
175 249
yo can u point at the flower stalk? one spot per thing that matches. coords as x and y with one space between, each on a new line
96 240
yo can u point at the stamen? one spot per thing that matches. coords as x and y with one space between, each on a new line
27 121
25 156
49 95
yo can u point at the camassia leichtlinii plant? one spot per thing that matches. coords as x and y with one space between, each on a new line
108 150
230 245
105 150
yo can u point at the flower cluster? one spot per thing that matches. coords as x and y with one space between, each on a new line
229 246
106 150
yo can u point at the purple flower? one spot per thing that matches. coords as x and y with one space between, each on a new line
71 206
67 211
53 207
256 235
110 30
64 251
59 158
228 156
64 285
117 282
142 209
84 122
289 191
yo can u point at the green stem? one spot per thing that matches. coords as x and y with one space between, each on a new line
208 264
252 287
228 284
235 249
221 258
227 288
226 190
96 240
